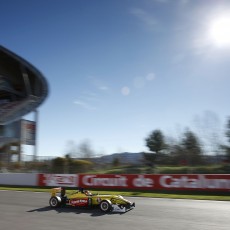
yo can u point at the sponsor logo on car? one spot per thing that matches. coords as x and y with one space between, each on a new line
79 202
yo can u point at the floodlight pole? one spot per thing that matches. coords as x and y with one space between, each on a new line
36 134
20 150
20 143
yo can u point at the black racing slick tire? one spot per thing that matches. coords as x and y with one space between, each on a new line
54 202
105 206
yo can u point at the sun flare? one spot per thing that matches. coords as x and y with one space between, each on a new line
220 31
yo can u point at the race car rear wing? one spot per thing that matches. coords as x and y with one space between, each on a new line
54 191
60 190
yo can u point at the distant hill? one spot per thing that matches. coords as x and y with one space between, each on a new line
124 158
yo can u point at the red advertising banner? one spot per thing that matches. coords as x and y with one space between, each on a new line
195 182
117 181
199 182
158 182
58 180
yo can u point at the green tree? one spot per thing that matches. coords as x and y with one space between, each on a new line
226 147
85 149
177 155
192 148
58 165
228 130
208 128
71 149
149 159
156 143
80 166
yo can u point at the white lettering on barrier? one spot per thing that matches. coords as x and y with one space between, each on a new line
60 180
200 182
93 180
141 181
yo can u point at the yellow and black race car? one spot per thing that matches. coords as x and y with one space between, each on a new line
84 198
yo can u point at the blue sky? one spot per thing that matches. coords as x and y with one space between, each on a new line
119 69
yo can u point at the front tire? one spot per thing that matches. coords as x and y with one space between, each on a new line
105 206
54 202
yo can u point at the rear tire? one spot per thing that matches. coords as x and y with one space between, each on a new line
54 202
105 206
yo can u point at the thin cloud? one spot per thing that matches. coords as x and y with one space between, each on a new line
89 96
99 84
92 96
84 105
146 18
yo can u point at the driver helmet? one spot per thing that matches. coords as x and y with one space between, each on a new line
87 192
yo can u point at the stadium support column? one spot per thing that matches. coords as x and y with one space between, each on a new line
36 134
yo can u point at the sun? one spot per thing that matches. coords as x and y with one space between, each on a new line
220 31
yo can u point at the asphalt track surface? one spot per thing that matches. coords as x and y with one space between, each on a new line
30 211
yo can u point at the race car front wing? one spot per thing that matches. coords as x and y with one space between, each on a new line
122 208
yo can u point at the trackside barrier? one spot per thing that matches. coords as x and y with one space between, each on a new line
21 179
170 182
53 180
183 182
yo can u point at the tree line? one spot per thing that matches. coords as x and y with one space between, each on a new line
189 150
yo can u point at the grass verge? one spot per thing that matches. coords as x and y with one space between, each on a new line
132 194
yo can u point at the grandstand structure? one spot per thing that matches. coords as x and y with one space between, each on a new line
23 88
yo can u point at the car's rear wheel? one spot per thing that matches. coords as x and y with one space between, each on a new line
105 206
54 202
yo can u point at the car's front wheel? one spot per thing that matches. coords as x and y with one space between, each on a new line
54 202
105 205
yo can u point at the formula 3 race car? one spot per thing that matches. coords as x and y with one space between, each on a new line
84 198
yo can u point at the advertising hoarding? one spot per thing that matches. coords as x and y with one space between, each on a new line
28 132
58 180
151 182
